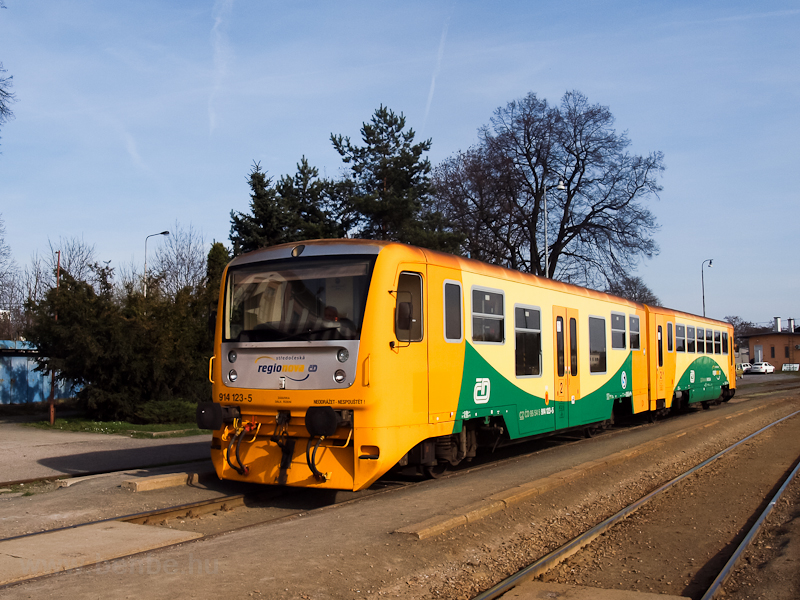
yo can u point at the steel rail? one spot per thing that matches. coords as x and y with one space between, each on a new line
138 518
558 555
65 476
716 587
184 507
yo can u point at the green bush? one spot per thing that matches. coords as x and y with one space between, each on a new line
137 359
166 411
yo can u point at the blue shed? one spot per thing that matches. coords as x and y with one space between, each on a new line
20 383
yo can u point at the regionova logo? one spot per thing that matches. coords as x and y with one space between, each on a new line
299 370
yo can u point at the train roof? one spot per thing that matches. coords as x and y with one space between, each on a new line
345 246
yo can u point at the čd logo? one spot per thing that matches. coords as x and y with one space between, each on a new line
482 390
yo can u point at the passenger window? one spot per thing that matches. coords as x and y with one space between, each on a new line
597 345
487 316
717 343
709 341
618 331
408 312
528 338
680 338
701 341
452 312
725 344
660 343
669 337
690 339
635 343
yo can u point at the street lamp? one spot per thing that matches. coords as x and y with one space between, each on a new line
145 258
560 186
710 262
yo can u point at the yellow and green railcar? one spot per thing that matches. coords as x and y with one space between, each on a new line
338 359
692 359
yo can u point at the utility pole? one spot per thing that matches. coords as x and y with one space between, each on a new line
53 373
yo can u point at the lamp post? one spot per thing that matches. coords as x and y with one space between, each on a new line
145 258
710 262
560 186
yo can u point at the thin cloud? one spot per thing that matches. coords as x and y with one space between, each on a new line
133 150
219 44
437 68
746 17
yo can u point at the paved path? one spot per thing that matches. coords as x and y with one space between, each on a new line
29 452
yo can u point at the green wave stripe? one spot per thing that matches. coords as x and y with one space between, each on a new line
527 414
703 379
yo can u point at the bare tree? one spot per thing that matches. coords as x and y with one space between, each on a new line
472 190
7 265
7 97
597 225
77 258
742 328
180 260
633 288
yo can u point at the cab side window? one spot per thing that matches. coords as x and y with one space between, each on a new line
452 312
408 311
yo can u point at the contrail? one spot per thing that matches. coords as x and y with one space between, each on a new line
437 68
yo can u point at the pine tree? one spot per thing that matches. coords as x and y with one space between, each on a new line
391 186
297 208
304 197
268 221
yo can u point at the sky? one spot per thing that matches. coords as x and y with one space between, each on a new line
135 117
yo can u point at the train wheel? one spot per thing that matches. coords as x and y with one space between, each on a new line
436 471
651 416
705 405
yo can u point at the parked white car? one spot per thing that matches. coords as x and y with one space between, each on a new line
761 367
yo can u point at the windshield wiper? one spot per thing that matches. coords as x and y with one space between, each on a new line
306 333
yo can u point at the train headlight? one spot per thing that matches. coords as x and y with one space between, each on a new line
339 376
342 355
232 356
232 375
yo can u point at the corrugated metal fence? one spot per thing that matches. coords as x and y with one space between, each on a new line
20 383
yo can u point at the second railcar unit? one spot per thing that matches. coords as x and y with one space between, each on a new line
339 359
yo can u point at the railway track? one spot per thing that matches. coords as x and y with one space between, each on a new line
68 476
197 512
189 516
576 554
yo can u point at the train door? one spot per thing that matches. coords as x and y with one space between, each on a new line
445 342
664 359
659 361
565 346
410 329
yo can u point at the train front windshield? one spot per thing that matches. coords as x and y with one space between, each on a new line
297 300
